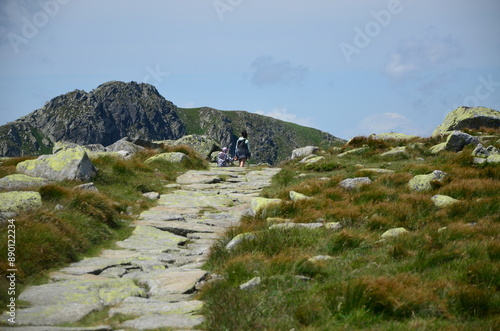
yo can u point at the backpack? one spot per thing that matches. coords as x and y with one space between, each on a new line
241 144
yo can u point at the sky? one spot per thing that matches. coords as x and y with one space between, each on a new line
342 66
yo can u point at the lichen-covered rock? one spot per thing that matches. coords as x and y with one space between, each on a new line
251 283
204 145
392 136
469 118
124 145
304 151
394 233
261 203
20 181
458 140
396 152
353 183
424 182
355 151
493 158
437 148
67 164
443 200
174 157
312 159
17 201
296 196
239 239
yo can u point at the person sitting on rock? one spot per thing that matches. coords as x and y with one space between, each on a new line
223 159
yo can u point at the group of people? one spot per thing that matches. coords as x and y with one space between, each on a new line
241 152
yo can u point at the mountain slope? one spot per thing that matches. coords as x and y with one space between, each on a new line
115 110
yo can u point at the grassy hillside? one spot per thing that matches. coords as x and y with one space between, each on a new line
74 223
444 274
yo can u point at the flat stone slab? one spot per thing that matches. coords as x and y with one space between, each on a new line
171 281
164 321
147 238
182 228
144 306
70 300
95 265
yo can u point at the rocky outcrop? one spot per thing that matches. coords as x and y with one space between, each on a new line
108 113
469 118
174 157
137 112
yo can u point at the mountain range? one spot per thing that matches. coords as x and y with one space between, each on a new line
115 110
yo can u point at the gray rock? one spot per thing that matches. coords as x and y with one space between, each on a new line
296 196
443 200
16 201
204 145
19 181
469 118
355 151
124 145
171 321
67 164
174 157
353 183
239 239
424 182
396 232
458 140
304 151
396 152
151 195
251 283
87 187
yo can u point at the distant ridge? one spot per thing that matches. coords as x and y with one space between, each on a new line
115 110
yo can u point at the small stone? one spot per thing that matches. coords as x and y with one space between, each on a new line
151 195
296 196
396 232
251 283
333 226
239 239
353 183
443 200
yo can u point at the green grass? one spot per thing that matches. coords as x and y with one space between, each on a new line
442 275
73 223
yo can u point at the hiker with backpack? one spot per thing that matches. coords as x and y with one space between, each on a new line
242 151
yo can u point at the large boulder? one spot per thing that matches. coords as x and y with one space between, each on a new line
124 145
469 118
20 182
304 151
66 164
203 145
174 157
424 182
458 140
354 183
17 201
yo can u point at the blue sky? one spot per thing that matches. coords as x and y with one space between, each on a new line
345 67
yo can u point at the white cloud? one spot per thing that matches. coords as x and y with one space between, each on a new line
417 54
268 71
284 115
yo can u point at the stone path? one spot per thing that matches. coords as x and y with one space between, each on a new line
152 278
